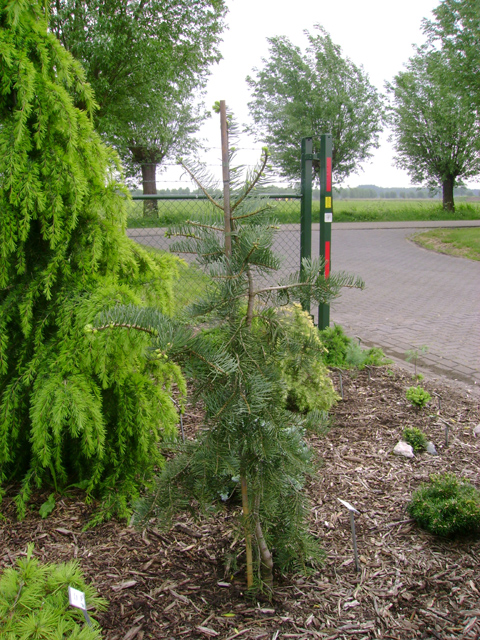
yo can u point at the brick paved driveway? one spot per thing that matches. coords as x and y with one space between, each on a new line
413 297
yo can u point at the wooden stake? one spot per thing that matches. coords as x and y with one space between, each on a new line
226 178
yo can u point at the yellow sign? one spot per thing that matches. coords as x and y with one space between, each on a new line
328 203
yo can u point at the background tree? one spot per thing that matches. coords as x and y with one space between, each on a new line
435 132
147 61
299 94
455 31
72 410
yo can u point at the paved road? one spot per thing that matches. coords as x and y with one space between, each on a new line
413 297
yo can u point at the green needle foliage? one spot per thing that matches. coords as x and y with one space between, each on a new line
72 409
418 396
251 448
34 602
416 438
447 506
309 386
345 353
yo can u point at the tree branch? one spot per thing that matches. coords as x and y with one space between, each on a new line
252 185
199 184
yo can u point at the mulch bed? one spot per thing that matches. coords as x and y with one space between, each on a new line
189 583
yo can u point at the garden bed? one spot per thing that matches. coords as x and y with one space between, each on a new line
411 585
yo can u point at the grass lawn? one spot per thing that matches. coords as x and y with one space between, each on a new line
401 210
288 211
456 242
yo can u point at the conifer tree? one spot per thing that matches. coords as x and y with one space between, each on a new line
72 410
251 447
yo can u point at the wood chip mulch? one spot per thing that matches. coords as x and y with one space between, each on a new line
189 583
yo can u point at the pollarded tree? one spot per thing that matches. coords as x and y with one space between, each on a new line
297 94
70 410
455 30
435 132
174 122
147 61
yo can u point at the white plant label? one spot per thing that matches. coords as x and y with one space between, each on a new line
348 505
328 217
77 598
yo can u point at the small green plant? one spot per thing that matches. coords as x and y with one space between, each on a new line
336 343
418 396
34 601
413 354
344 353
308 385
416 438
447 506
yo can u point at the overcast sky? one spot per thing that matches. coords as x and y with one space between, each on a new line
376 34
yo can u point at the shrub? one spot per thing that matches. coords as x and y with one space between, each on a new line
418 396
416 438
308 385
345 353
72 409
34 602
446 506
336 343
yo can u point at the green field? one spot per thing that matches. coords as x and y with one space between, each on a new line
174 211
456 242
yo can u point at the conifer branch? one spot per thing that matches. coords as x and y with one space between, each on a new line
121 325
203 226
200 186
255 213
251 186
174 234
225 405
210 364
285 287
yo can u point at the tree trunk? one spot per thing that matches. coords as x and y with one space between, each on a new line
447 185
248 533
149 184
266 559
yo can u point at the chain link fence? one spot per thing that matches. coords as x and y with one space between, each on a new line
150 217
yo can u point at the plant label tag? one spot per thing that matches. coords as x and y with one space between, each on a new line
77 598
328 217
348 505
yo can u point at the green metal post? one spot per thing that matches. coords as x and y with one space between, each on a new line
306 204
326 215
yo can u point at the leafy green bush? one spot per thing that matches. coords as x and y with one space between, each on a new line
308 385
446 506
416 438
418 396
336 343
34 602
344 353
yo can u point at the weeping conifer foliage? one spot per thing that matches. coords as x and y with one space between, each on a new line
252 450
72 409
